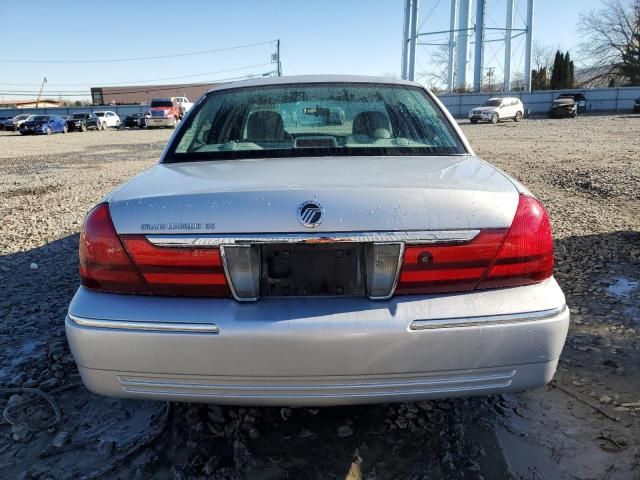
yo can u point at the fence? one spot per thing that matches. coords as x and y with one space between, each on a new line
598 99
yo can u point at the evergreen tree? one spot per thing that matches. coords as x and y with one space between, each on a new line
539 79
556 73
563 74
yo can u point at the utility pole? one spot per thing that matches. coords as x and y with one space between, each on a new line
414 38
490 71
507 47
452 45
462 44
279 64
405 39
529 45
40 92
478 55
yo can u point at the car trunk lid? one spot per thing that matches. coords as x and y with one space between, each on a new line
357 194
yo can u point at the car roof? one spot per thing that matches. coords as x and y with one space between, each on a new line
258 82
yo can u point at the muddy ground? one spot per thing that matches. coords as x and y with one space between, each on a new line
585 424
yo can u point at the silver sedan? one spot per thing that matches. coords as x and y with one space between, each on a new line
278 256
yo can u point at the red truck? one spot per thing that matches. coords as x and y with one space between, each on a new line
165 112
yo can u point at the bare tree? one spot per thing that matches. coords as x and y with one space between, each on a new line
543 56
611 42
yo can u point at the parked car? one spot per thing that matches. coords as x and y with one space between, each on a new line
165 112
579 98
134 120
266 262
2 120
108 119
43 124
81 122
563 107
496 109
15 122
636 106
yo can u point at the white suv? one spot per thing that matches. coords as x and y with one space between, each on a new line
108 119
496 109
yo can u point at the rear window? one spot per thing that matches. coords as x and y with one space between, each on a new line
492 103
100 114
336 119
78 116
161 103
39 118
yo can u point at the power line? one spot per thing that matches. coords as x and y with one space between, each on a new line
136 59
141 81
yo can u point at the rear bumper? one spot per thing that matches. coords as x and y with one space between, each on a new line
160 122
318 351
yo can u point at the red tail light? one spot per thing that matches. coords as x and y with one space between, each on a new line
104 264
140 267
521 255
448 268
178 271
526 255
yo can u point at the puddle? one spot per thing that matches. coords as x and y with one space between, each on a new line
622 287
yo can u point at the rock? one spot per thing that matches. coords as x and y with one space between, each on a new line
20 434
425 405
17 380
211 466
106 447
241 455
31 383
61 439
344 431
402 423
49 384
285 413
305 433
606 400
215 414
14 399
33 266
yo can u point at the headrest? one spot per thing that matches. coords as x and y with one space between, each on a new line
373 124
265 126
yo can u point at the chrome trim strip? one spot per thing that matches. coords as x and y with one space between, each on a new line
174 327
410 237
485 320
359 384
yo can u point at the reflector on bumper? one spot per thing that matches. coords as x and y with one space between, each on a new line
242 265
382 263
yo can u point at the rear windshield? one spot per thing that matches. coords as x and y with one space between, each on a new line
161 103
100 114
78 115
337 119
39 118
492 103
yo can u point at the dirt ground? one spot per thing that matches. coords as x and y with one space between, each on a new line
584 425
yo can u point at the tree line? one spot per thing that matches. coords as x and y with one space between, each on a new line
610 49
562 74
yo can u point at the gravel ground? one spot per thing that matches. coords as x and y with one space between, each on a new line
584 425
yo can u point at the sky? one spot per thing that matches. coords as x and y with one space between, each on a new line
328 36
